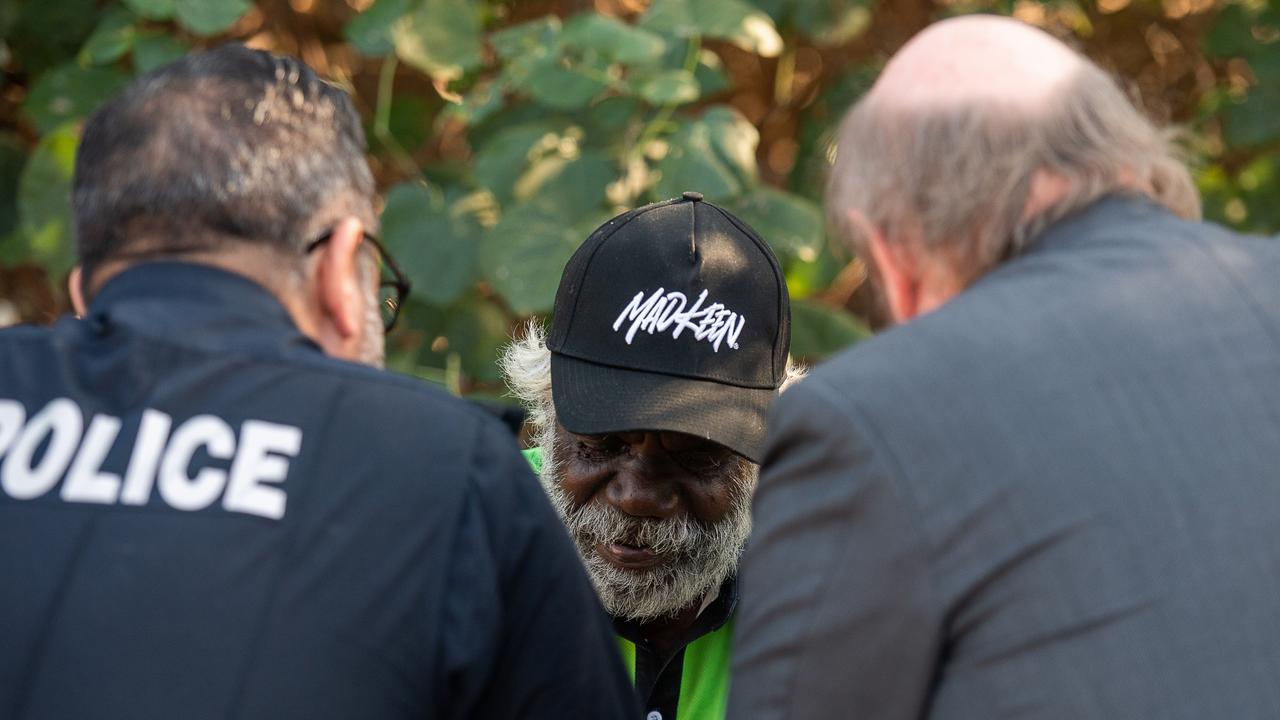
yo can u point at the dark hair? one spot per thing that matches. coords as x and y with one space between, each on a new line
221 146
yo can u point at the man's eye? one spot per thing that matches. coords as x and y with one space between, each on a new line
599 448
701 462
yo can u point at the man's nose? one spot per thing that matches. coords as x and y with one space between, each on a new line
644 485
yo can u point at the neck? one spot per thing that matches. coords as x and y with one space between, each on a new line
666 634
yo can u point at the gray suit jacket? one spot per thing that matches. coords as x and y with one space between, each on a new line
1058 496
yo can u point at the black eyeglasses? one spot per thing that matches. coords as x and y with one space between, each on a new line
393 286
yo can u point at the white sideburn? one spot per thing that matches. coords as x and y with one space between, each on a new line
660 311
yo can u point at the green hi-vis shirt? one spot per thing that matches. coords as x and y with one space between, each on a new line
703 665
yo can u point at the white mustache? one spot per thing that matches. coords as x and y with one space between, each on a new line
605 524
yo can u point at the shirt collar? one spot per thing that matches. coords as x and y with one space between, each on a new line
712 618
194 305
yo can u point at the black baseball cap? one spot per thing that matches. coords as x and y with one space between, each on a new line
674 316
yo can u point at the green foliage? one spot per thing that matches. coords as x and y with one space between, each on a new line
502 138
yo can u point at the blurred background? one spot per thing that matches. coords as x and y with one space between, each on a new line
503 133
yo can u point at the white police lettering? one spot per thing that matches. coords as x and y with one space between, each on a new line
185 466
660 311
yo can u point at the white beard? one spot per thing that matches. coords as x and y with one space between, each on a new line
702 557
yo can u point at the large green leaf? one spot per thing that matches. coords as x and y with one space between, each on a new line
113 37
732 20
818 331
433 243
734 139
505 156
440 38
565 87
791 225
69 92
613 39
714 155
523 256
571 187
829 23
152 9
533 39
370 31
156 49
44 200
691 164
670 87
209 17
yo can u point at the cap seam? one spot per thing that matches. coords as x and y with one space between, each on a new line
776 267
573 311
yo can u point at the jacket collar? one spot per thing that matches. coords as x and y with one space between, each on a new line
194 305
1098 219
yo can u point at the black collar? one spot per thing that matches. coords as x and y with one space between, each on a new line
708 621
196 306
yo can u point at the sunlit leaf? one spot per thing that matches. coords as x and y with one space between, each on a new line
505 156
670 87
571 187
44 200
69 92
791 225
734 139
732 20
440 38
534 38
209 17
691 163
613 39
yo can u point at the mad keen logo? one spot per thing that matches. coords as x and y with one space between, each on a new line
662 311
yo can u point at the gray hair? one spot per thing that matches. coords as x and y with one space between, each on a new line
956 180
227 145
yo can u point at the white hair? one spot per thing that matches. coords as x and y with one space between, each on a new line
955 181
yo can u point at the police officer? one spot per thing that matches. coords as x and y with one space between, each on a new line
206 508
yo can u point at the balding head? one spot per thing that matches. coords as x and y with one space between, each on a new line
980 132
977 58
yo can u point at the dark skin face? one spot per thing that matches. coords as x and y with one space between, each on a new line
648 474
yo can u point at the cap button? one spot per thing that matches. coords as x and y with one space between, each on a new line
691 195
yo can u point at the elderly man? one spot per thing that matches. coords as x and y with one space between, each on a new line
210 504
1051 492
668 342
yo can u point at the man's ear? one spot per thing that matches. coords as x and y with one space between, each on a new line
76 291
337 279
896 268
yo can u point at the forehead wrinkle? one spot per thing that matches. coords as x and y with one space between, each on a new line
977 59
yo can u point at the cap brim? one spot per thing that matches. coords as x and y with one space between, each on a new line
591 399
